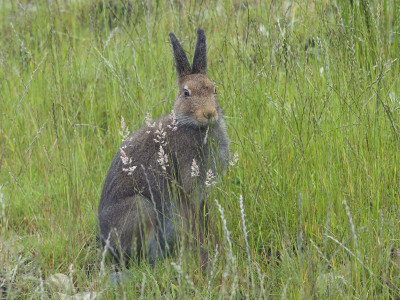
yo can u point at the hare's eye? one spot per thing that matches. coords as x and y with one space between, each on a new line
215 90
186 93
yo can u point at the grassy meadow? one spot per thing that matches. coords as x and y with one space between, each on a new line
311 97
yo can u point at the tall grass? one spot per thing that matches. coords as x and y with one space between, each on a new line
311 95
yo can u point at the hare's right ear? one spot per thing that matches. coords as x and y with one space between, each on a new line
200 54
181 62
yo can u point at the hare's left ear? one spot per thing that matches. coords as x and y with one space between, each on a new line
200 54
181 62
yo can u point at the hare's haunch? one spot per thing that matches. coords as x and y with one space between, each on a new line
155 188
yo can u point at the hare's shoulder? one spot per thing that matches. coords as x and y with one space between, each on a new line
146 136
166 131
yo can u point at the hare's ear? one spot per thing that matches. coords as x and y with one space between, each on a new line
181 62
200 54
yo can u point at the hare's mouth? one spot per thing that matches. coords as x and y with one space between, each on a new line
204 122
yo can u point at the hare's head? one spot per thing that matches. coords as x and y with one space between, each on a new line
196 103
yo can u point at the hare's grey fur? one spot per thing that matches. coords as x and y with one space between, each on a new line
153 191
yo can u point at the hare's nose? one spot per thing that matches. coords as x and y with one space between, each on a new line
210 114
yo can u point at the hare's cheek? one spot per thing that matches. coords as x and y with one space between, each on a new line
180 107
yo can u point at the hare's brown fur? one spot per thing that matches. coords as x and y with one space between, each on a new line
142 214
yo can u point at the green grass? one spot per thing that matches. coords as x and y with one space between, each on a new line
311 95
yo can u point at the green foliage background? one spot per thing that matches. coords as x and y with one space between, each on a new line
311 95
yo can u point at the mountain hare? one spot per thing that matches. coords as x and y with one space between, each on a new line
154 190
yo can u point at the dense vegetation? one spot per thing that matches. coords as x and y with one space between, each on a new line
311 95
